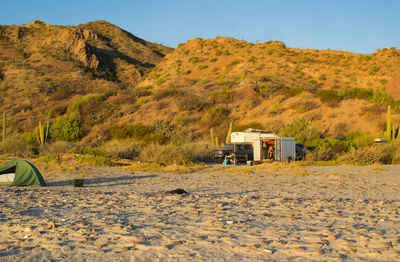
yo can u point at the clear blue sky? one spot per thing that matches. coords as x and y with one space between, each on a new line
361 26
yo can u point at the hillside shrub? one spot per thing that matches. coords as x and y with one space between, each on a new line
253 102
251 59
186 72
66 129
276 109
93 113
193 59
301 129
383 81
328 95
265 90
215 115
191 103
169 91
305 106
166 132
359 140
62 93
136 130
366 57
373 70
30 138
141 101
291 92
334 145
159 81
91 110
326 149
222 96
322 77
75 106
235 62
161 132
379 96
265 86
201 67
348 93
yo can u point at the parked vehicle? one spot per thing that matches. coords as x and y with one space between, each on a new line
243 152
266 145
300 151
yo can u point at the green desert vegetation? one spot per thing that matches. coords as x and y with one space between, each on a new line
163 144
121 97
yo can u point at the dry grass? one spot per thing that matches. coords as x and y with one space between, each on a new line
378 169
174 168
125 148
184 154
14 146
56 148
383 154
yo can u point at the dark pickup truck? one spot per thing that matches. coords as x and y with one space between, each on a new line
242 153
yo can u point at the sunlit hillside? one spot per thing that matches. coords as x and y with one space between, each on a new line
104 77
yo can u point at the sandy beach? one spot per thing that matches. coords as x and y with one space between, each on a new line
230 214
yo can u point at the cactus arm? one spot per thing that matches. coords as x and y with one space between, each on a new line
228 136
4 126
388 125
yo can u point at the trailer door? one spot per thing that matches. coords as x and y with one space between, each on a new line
278 150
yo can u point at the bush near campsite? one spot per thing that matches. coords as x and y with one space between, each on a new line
66 129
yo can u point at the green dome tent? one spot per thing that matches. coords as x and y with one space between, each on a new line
20 173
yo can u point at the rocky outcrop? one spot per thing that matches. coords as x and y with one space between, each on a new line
39 35
74 40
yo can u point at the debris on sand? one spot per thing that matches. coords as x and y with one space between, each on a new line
178 191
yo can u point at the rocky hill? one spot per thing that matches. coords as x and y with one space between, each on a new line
270 84
88 71
102 76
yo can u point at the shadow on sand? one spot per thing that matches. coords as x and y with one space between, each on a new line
101 181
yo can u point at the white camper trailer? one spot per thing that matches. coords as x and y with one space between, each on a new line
266 145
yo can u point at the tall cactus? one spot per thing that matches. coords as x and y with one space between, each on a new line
42 133
212 136
47 130
216 141
393 134
4 127
228 136
388 125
